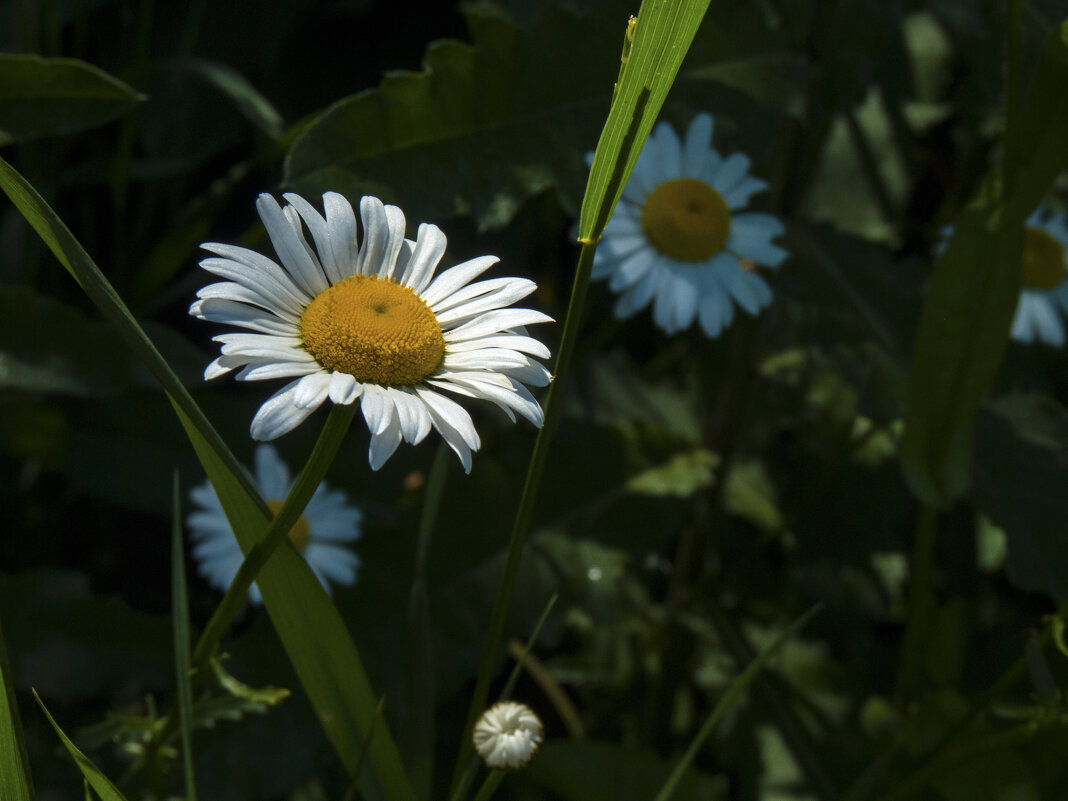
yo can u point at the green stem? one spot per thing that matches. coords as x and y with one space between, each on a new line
920 607
322 456
489 787
1012 95
307 482
521 526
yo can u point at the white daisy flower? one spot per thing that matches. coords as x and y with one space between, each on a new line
677 239
507 735
1044 289
371 322
328 522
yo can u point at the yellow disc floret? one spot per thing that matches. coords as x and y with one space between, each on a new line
1043 260
686 219
300 532
375 330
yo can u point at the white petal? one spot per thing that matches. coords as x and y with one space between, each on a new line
377 408
385 442
219 310
522 344
504 296
480 288
272 474
344 389
730 171
494 322
259 370
750 238
337 564
456 277
279 415
698 145
320 231
341 221
228 290
312 390
272 283
738 195
375 235
429 248
515 398
395 222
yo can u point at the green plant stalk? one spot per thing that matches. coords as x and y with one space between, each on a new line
1012 96
322 456
521 526
489 787
920 603
180 613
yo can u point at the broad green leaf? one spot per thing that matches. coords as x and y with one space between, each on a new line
750 494
965 322
180 625
97 780
661 39
481 128
15 781
315 637
50 96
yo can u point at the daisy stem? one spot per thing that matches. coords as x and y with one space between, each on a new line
322 456
521 526
489 787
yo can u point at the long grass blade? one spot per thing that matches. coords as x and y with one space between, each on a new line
16 783
182 656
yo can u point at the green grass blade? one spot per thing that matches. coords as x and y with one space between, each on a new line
733 693
97 780
316 640
16 783
308 624
662 37
182 659
964 326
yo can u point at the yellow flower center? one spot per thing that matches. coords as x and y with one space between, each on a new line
1043 260
375 330
300 532
686 219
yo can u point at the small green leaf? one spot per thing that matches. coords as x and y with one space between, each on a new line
681 477
15 781
750 494
97 780
266 696
51 96
182 661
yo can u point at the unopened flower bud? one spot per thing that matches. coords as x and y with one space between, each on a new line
507 735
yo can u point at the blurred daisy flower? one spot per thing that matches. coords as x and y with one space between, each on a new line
507 735
319 534
1044 290
369 321
677 238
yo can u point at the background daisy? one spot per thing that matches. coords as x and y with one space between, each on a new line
320 534
676 240
371 322
1044 289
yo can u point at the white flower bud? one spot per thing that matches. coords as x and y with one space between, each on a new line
507 735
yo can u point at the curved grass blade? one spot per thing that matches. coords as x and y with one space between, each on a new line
97 780
733 693
308 624
16 783
182 659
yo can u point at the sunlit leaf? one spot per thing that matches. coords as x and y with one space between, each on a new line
684 475
50 96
